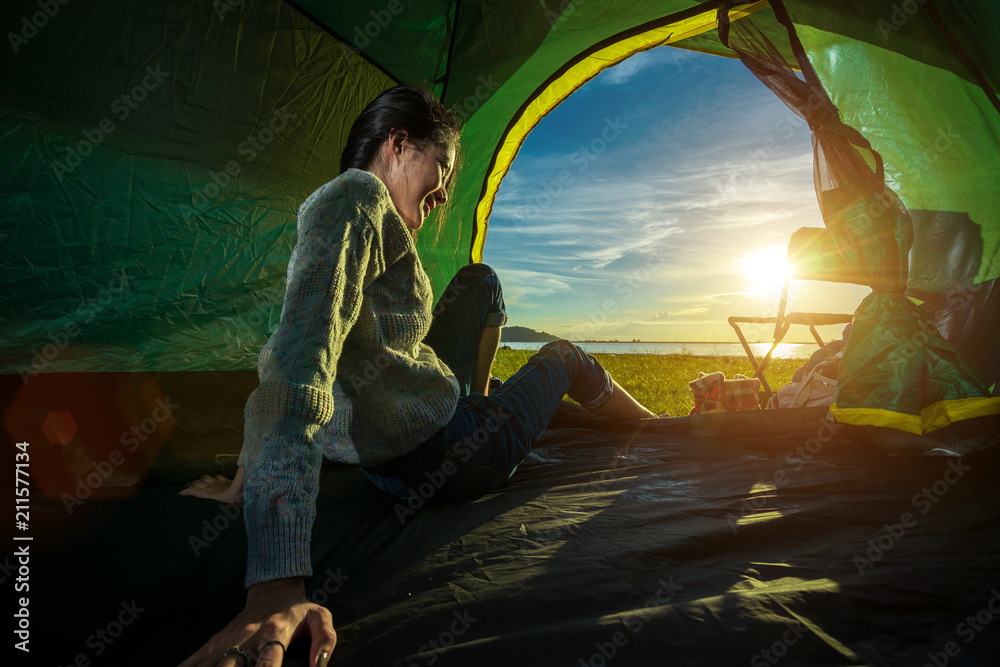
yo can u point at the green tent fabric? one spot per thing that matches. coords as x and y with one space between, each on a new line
935 162
897 371
154 154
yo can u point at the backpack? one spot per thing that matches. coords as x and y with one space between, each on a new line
816 386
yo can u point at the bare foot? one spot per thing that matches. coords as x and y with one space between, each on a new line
621 405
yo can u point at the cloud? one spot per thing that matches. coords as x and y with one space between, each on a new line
526 288
662 213
626 70
694 310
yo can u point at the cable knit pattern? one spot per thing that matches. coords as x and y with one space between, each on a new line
345 374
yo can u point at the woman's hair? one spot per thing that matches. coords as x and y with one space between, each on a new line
412 109
415 110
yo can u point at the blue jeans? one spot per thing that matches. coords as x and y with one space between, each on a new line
488 436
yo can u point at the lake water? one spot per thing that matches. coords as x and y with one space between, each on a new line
784 351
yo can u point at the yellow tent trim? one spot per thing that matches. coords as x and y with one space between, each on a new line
934 416
574 77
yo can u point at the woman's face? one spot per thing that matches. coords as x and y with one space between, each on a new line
422 181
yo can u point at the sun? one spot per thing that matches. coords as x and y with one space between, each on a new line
764 270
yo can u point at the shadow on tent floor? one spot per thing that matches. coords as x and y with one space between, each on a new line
717 540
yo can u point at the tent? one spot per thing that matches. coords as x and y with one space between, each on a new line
155 153
165 152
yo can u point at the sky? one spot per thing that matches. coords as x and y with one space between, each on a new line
654 203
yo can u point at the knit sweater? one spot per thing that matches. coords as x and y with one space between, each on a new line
346 374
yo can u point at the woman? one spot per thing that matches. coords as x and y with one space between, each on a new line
360 371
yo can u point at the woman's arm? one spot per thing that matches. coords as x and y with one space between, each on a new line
280 454
275 611
281 458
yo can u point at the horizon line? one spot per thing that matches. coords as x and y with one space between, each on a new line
698 342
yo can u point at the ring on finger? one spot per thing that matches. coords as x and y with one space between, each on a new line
240 652
273 641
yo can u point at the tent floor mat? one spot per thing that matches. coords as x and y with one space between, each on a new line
722 540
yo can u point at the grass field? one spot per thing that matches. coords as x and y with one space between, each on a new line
660 381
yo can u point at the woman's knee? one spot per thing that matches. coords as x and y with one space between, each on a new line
564 353
562 347
471 276
590 383
477 283
477 271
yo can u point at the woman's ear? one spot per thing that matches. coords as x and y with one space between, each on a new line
397 139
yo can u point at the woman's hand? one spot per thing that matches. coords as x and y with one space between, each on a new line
219 488
276 611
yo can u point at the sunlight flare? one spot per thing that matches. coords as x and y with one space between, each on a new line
764 270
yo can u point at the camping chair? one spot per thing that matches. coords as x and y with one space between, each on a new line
812 255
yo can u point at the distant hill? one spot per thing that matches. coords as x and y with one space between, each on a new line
524 335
